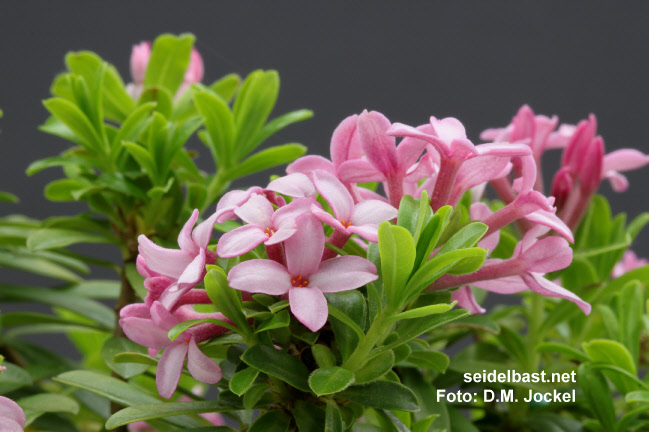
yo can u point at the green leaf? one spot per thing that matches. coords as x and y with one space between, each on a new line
435 360
271 421
308 417
629 311
598 397
478 322
170 57
279 320
333 419
323 356
115 346
226 299
113 389
268 158
7 197
514 344
13 378
382 395
55 238
637 396
329 380
159 96
135 358
279 123
227 86
278 364
566 350
410 329
47 402
254 395
613 353
431 233
219 124
77 122
157 410
351 312
375 368
243 380
179 328
466 237
423 311
63 190
397 250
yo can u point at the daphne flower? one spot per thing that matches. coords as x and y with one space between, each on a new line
12 417
304 278
362 219
151 330
184 267
628 262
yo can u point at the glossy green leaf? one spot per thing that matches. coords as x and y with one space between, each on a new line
243 380
351 312
227 86
179 328
226 299
220 126
13 378
630 311
333 419
397 250
410 329
466 237
63 190
279 320
435 360
278 364
423 311
115 346
478 322
135 358
323 356
431 233
76 121
375 368
383 395
514 344
279 123
46 402
329 380
637 396
271 421
169 60
54 238
254 395
159 410
308 417
268 158
613 353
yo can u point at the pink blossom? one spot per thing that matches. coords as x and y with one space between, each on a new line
304 277
150 328
185 268
265 225
12 417
628 262
362 219
140 56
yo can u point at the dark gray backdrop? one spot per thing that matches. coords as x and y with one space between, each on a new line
478 61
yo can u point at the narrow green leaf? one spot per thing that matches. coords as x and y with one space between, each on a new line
351 308
7 197
435 360
226 87
170 57
254 395
598 396
423 311
278 364
226 299
397 251
47 402
179 328
55 238
563 349
613 353
279 123
466 237
375 368
323 356
115 346
135 358
268 158
219 124
279 320
13 378
159 410
76 121
329 380
383 395
637 396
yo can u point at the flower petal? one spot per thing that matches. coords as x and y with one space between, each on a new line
203 232
344 142
327 218
359 171
257 211
185 236
541 285
308 164
547 255
335 193
167 262
624 160
304 249
260 276
504 285
293 185
170 368
240 241
448 129
201 366
343 273
12 411
465 299
550 219
372 212
309 306
193 273
379 148
144 332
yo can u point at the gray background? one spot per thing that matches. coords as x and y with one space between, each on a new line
477 61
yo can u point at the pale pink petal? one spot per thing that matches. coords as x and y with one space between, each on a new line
240 241
281 234
624 160
480 211
194 72
307 164
309 306
523 124
295 185
408 152
379 148
551 220
465 299
201 366
286 215
185 236
136 310
547 255
367 194
257 210
496 134
335 193
537 283
8 425
448 129
140 55
144 332
143 269
260 276
12 411
479 170
304 248
619 183
155 286
359 171
402 130
344 142
162 317
167 262
194 272
368 232
372 212
231 201
343 273
503 149
203 232
327 218
505 285
170 368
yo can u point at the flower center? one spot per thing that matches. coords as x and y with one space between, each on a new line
299 282
345 224
187 340
269 232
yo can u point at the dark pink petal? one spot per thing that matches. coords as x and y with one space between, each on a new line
541 285
359 171
335 193
344 142
294 185
379 148
465 299
12 411
145 332
304 249
240 241
257 210
166 262
201 366
307 164
260 276
372 212
309 306
185 236
343 273
170 368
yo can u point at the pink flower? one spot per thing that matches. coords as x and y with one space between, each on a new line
12 417
304 278
140 56
265 225
185 268
362 219
150 328
628 262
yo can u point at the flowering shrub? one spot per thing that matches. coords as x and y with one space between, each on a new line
337 296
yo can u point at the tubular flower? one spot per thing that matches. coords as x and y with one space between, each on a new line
304 277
